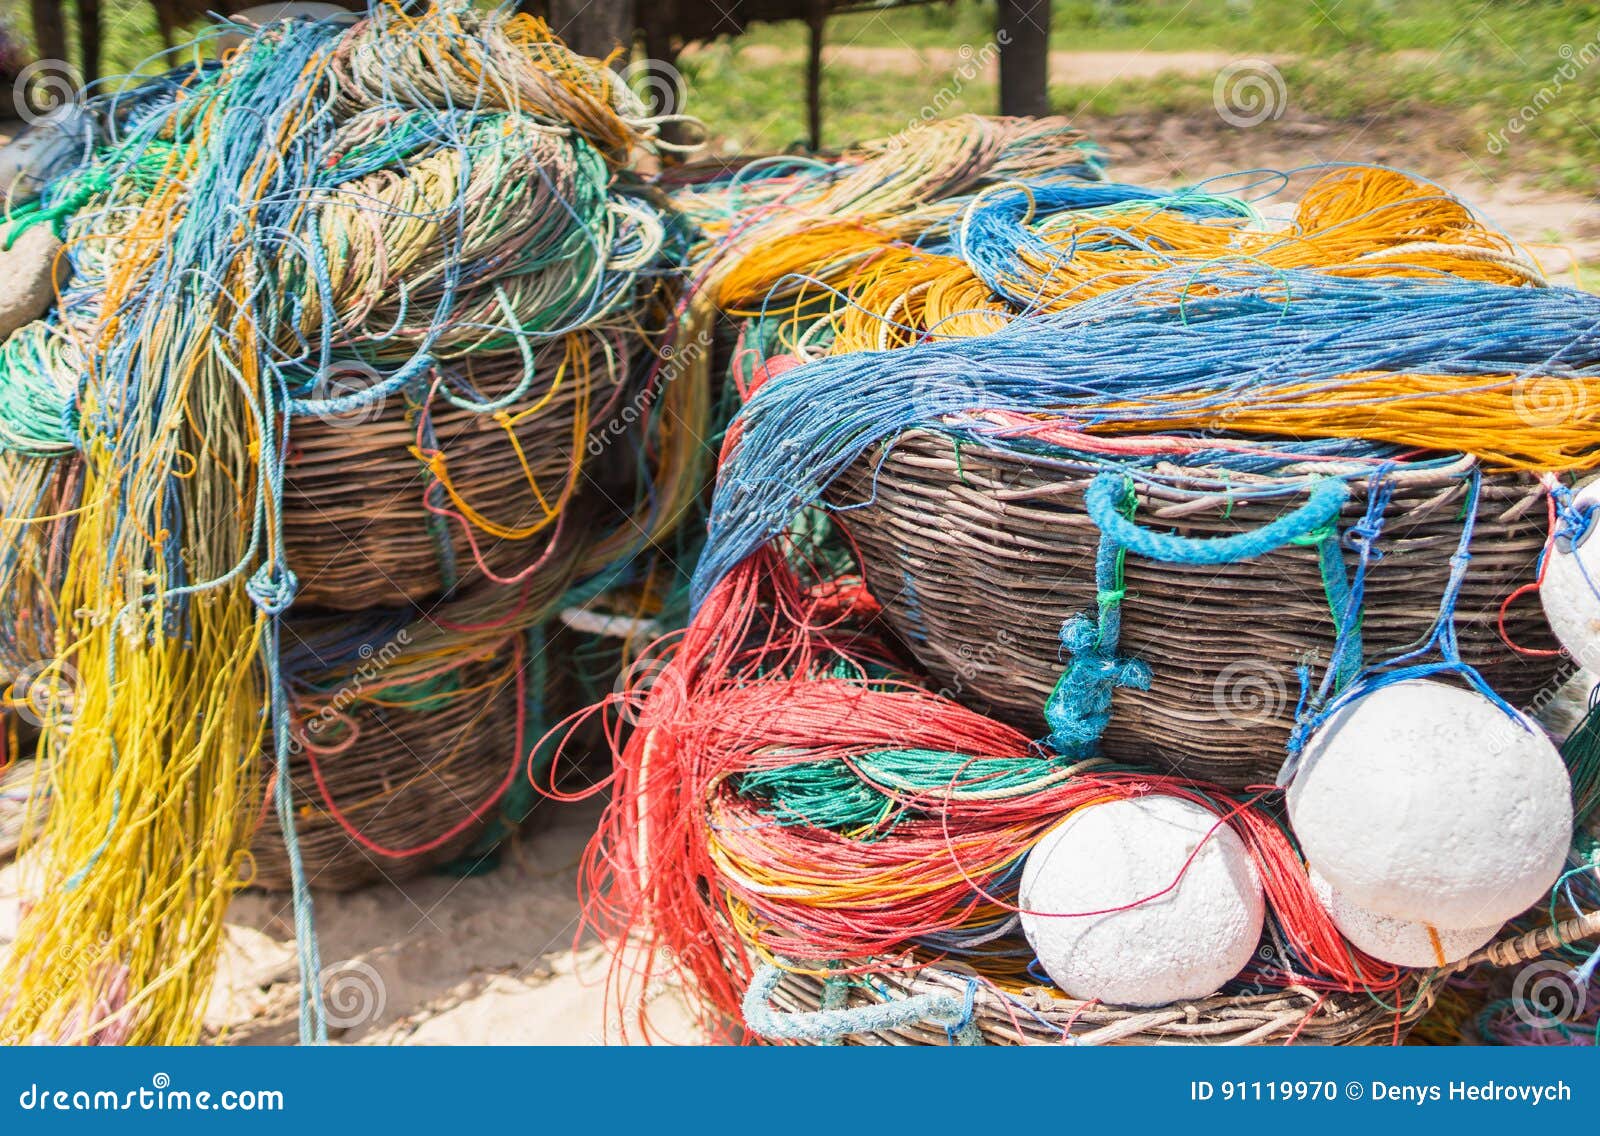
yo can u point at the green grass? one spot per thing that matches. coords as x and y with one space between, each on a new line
761 107
130 32
1478 63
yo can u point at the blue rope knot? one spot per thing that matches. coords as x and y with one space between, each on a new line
1574 522
1362 538
272 588
1079 708
964 1030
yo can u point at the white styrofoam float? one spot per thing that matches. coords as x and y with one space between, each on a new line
1402 942
1423 801
1182 944
1570 588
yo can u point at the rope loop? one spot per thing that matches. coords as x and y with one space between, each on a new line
955 1014
1328 497
272 588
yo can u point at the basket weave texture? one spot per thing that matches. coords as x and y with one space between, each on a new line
979 555
409 774
358 529
1297 1015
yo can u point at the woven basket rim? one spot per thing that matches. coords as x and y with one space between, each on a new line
1286 1012
1160 480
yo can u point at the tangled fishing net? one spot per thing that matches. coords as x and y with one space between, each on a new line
339 317
979 430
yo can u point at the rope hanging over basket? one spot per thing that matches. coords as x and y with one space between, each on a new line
384 200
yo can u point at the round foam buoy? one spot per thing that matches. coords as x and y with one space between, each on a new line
1425 802
1182 944
49 147
1398 941
30 271
272 13
1570 588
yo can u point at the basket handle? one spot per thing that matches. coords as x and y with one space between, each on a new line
950 1010
1105 492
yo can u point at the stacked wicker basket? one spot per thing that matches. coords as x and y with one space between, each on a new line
432 529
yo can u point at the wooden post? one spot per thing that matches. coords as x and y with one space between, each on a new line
1024 38
595 27
49 30
816 21
89 34
658 22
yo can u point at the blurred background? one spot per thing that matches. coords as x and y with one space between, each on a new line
1436 79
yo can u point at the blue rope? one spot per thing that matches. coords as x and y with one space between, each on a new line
1079 708
1249 333
955 1013
1327 498
1442 639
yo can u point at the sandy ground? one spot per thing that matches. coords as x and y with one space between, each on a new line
492 959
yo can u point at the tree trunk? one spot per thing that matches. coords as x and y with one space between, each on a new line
657 23
49 30
816 21
1024 39
89 33
594 27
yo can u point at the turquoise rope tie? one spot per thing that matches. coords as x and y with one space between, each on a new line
955 1013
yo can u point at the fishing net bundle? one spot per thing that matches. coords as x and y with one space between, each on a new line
338 318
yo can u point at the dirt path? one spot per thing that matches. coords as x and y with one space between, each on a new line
439 960
1075 67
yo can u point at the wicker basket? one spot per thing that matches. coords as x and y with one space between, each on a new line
979 556
403 775
355 523
1042 1017
1033 1016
